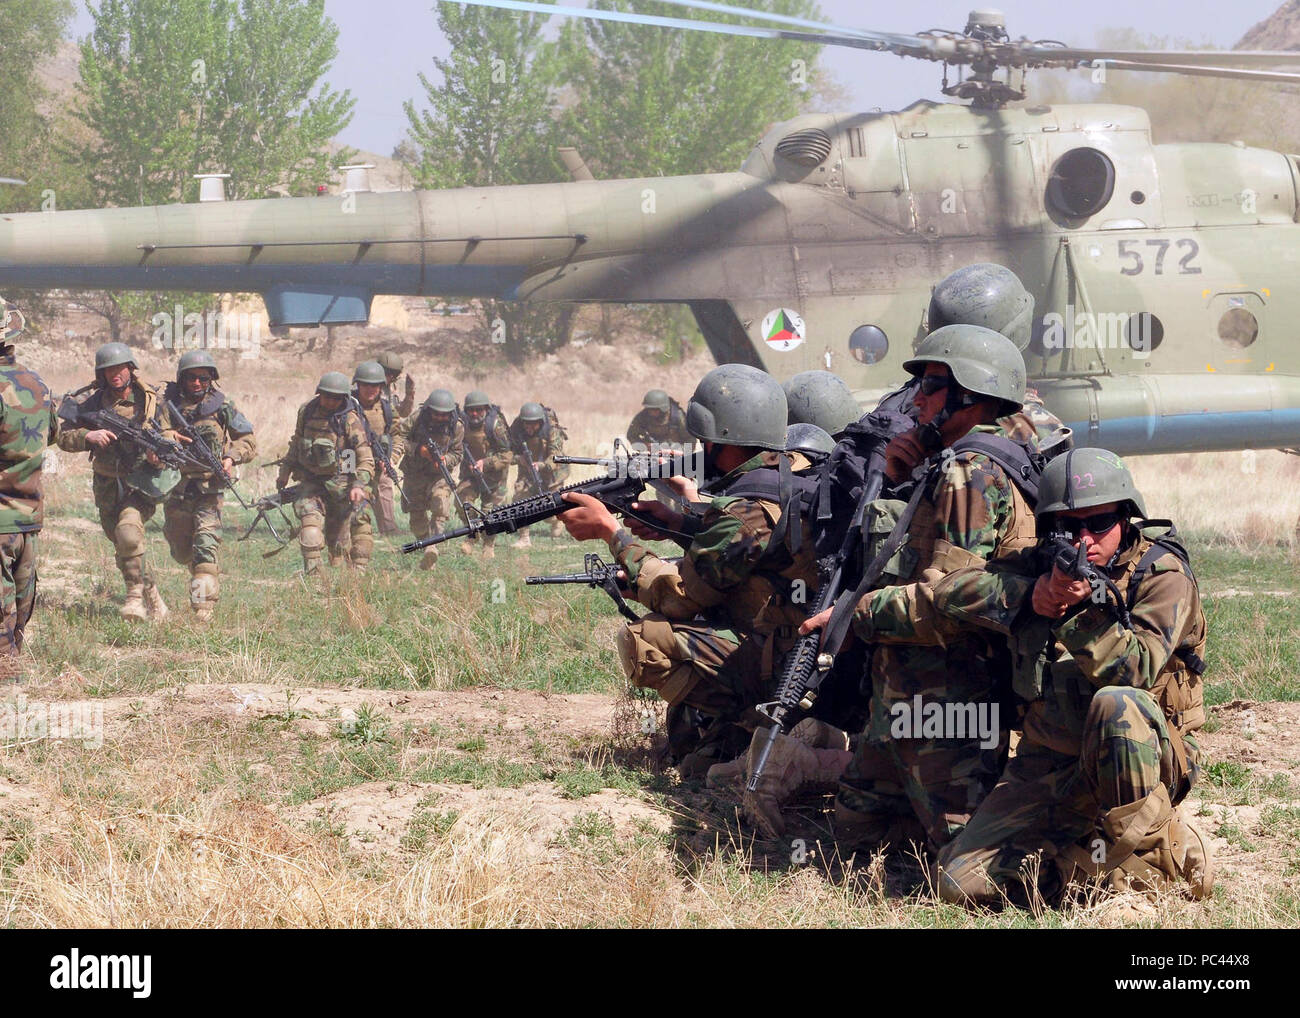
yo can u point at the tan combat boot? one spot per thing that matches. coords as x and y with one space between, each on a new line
523 542
133 607
158 609
488 551
430 558
557 529
205 589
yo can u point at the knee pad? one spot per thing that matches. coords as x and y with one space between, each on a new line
311 537
128 535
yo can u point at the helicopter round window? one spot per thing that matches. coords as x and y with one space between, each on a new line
1143 332
1081 183
1238 327
868 344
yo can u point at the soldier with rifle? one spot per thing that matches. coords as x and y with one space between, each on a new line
369 389
433 439
330 454
722 618
537 438
118 419
486 459
219 437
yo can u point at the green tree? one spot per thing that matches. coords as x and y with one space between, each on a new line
29 34
490 121
170 88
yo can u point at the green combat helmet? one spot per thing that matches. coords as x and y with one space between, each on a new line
980 360
334 383
391 362
810 440
1086 477
195 359
441 401
369 373
735 404
655 399
985 294
477 398
821 398
110 355
532 412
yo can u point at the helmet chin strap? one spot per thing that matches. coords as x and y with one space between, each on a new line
931 434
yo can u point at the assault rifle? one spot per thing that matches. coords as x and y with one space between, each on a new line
526 466
617 492
204 452
276 500
1058 550
377 446
147 440
475 473
810 660
596 573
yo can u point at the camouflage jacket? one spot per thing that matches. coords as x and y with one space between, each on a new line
1060 663
27 426
420 432
644 430
118 458
329 448
970 513
542 447
1032 421
729 571
382 422
492 447
215 419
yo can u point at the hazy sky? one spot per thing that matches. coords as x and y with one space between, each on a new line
384 43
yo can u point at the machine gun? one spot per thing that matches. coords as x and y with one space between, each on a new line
264 505
617 492
597 573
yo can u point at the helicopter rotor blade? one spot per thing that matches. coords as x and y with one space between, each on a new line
903 45
1289 77
785 19
1182 58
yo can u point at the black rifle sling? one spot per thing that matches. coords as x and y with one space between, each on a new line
1166 544
837 627
1023 466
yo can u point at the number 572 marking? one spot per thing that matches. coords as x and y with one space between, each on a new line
1130 249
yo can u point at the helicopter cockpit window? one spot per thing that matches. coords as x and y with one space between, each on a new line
1238 327
1082 183
868 344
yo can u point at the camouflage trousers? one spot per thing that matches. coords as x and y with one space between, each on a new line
428 503
1047 801
123 513
17 589
334 521
470 492
909 783
192 526
381 497
701 668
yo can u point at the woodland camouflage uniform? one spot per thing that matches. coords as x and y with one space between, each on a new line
489 441
429 497
123 509
381 419
192 512
722 617
542 448
27 425
330 455
927 789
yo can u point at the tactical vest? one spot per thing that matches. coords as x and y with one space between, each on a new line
483 441
322 438
205 418
117 459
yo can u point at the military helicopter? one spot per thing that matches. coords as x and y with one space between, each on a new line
1158 270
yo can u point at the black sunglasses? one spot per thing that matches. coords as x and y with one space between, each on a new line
1096 524
930 384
